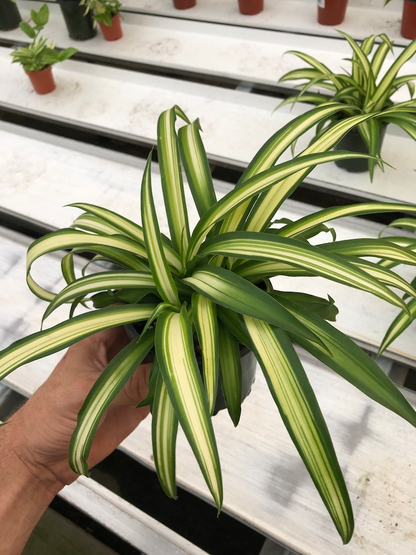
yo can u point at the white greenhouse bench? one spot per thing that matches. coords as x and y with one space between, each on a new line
266 485
126 105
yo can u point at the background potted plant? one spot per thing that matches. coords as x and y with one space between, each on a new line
364 89
37 58
80 25
210 290
107 14
184 4
331 12
250 7
9 15
408 25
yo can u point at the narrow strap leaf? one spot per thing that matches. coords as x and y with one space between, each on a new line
63 335
195 163
303 419
101 281
322 260
109 384
329 214
349 361
181 375
164 433
171 177
231 372
231 291
399 324
158 265
205 320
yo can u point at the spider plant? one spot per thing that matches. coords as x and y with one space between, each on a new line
366 88
213 287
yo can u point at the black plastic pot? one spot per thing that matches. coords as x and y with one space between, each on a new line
248 368
354 143
80 26
9 15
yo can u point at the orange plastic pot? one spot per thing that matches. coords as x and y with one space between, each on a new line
251 7
42 81
113 31
331 12
184 4
409 20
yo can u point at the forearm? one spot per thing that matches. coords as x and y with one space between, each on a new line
23 496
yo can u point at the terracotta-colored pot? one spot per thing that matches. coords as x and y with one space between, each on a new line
409 20
331 12
113 31
251 7
184 4
42 81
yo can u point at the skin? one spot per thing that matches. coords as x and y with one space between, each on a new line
34 445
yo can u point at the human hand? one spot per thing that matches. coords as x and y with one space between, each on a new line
40 432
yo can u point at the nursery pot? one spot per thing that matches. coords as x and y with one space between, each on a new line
354 143
80 25
331 12
248 368
251 7
113 31
184 4
9 15
42 81
409 19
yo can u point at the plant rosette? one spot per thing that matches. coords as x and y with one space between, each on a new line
214 287
364 89
107 14
37 58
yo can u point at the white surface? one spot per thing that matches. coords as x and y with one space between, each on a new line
246 54
134 526
363 18
235 124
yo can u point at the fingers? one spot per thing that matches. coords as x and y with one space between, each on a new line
135 389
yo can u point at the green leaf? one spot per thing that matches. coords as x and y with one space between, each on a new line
273 148
205 321
181 375
27 29
41 17
371 247
108 385
325 308
67 53
231 373
255 186
235 293
399 324
52 340
352 363
127 227
329 214
164 433
158 265
263 246
303 419
99 282
171 177
153 376
195 163
69 238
